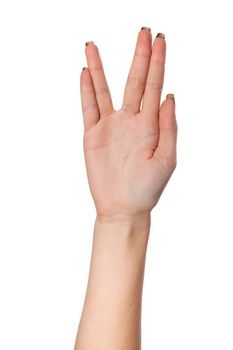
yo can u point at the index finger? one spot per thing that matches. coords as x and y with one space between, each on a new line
96 69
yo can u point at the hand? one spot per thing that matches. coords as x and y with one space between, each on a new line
130 154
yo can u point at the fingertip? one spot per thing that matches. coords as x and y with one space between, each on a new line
171 97
145 34
83 71
91 50
167 112
160 35
148 29
168 104
159 45
89 44
144 41
85 77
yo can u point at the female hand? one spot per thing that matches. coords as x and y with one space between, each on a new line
130 153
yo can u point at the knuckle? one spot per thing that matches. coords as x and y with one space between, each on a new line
142 53
105 113
96 68
154 85
158 60
130 108
136 81
89 107
86 92
102 91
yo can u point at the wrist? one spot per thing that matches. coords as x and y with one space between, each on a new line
124 219
133 227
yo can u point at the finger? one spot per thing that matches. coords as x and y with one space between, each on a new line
155 77
138 72
100 84
89 103
167 132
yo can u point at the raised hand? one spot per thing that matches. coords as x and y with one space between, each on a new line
130 153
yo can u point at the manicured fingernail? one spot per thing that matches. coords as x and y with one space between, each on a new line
89 42
171 97
84 68
160 35
146 28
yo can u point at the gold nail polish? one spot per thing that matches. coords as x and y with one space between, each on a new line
171 96
146 28
89 42
160 35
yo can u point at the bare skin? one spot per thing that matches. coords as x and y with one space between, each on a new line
130 155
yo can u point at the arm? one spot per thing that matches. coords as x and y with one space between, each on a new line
130 155
112 309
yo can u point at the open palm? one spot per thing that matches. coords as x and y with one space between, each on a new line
130 154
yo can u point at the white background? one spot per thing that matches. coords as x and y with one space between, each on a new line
46 210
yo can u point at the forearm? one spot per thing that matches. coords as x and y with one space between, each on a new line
111 317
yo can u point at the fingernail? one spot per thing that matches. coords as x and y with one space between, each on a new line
146 28
160 35
171 97
84 68
89 42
